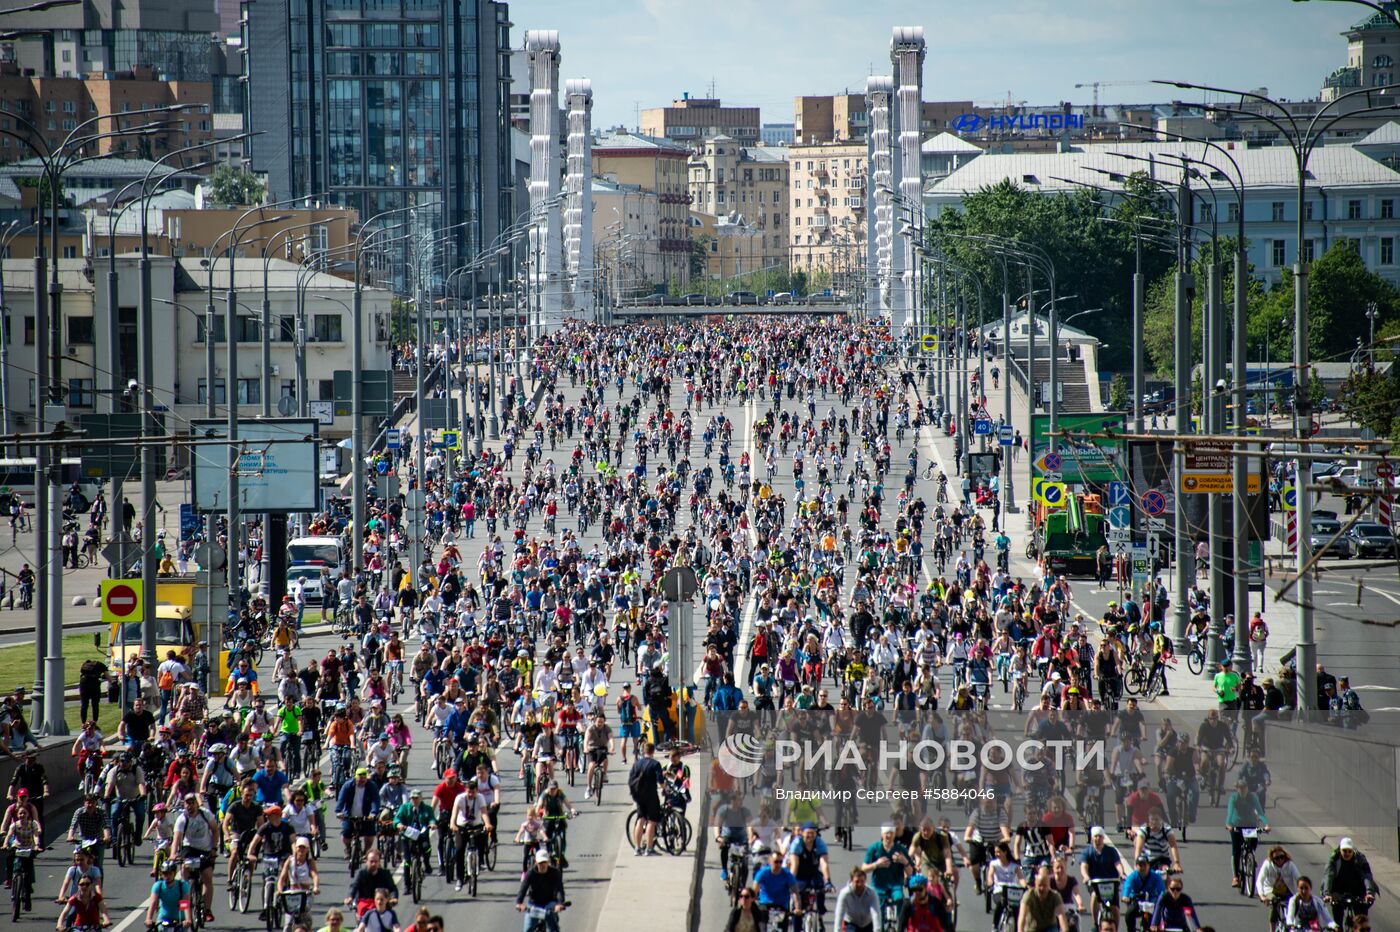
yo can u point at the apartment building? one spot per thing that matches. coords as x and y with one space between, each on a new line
626 238
826 185
56 106
662 168
691 120
750 182
842 118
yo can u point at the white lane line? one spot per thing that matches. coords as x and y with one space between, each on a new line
751 613
135 914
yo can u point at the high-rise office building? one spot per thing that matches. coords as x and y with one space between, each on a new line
379 106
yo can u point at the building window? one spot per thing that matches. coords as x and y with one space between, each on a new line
1353 210
82 393
1307 250
286 330
1387 209
80 330
1277 213
289 388
246 329
218 328
70 252
29 330
202 391
250 391
1307 211
325 389
1207 212
326 328
1387 250
1278 258
1232 212
1382 61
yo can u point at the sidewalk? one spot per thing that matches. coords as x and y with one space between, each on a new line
662 894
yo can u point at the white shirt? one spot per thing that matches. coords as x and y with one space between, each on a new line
466 810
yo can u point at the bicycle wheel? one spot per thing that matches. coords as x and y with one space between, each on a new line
630 826
473 869
119 845
492 853
1196 661
17 895
1133 680
1248 865
595 785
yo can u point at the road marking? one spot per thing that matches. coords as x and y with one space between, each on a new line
135 914
751 612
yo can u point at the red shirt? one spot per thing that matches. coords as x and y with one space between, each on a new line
86 914
445 794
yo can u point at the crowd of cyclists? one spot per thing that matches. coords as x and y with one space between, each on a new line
780 460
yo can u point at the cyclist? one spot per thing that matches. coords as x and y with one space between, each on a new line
1175 910
1100 861
1157 840
197 836
1349 877
242 819
170 898
273 839
921 910
91 826
597 745
23 833
1042 908
357 803
1242 811
807 856
125 791
470 822
731 824
888 863
1143 885
1276 881
556 812
543 888
299 875
777 886
857 905
415 814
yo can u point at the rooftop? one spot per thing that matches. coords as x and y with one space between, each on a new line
636 141
1265 167
948 143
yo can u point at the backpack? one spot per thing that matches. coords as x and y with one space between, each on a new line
167 680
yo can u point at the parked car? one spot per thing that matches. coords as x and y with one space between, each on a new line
1371 539
694 298
737 298
1323 530
782 297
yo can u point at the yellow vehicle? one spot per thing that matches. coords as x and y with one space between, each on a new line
176 630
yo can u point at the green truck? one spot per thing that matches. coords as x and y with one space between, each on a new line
1071 536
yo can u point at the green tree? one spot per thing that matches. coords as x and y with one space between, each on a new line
234 186
1370 397
1159 314
699 257
1093 259
1118 392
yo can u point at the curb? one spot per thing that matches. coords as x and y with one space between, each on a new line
702 839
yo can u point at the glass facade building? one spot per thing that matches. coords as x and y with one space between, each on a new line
385 104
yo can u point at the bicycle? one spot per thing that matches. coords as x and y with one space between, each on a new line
124 835
1196 656
538 918
1105 899
1346 907
240 886
21 883
1011 896
1244 874
595 783
271 905
471 867
192 871
294 915
414 859
738 867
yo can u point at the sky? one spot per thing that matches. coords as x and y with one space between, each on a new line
644 53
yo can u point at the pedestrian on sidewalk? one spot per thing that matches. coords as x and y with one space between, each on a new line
1258 640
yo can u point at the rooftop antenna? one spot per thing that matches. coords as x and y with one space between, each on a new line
637 115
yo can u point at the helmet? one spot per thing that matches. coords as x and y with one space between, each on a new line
918 881
273 810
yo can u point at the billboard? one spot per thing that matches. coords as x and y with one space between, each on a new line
277 467
1151 467
1083 461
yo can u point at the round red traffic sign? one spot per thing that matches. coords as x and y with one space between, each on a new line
121 600
1384 471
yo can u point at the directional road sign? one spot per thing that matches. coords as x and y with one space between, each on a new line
393 439
1156 524
929 344
1052 494
1118 493
452 439
1290 498
189 522
1120 516
1154 503
121 600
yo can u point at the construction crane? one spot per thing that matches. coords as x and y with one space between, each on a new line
1098 84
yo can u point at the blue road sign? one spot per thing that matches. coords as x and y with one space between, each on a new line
1118 493
826 293
1120 516
1154 503
392 438
1052 461
1008 435
982 426
189 522
382 467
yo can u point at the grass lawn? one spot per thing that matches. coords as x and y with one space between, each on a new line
17 668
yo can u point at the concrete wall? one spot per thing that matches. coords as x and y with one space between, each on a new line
1353 777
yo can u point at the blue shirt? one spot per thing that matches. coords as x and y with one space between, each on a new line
1102 865
270 786
1138 887
774 887
169 895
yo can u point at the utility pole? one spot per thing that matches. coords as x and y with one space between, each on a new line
1242 465
1213 385
418 497
1139 290
1008 487
1181 612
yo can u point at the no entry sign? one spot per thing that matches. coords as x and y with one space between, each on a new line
121 600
